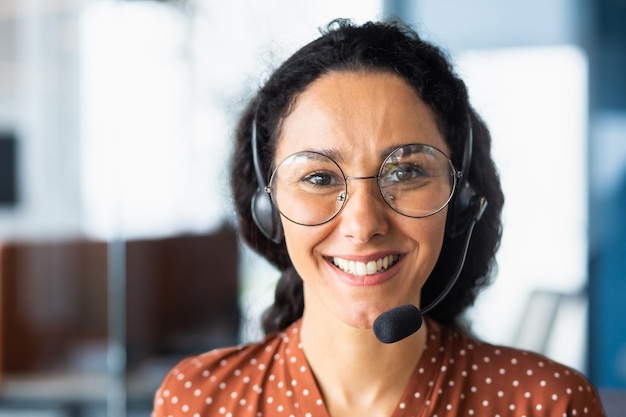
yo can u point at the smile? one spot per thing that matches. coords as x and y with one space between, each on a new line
365 268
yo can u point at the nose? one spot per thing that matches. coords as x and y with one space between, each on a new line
365 213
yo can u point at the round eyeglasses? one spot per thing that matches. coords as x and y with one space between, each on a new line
416 180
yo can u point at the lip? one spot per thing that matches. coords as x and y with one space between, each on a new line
365 280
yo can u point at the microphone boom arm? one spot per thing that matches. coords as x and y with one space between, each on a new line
461 263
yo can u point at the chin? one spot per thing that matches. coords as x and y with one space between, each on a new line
362 318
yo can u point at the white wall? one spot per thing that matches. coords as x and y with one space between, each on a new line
535 103
39 100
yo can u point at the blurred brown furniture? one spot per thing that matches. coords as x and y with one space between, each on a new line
182 298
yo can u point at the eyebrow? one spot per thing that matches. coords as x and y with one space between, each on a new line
338 156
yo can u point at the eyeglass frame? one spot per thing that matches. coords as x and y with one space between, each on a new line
456 175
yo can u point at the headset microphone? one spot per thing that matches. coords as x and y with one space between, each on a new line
398 323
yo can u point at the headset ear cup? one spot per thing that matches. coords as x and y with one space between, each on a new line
265 216
463 210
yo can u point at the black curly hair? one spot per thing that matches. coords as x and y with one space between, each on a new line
385 47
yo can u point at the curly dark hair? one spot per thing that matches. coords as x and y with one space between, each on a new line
385 47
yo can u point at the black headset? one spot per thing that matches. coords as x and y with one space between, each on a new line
465 209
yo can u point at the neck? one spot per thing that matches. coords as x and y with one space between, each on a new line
354 370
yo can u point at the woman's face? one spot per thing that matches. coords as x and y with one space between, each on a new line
357 118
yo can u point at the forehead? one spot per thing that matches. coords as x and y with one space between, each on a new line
356 117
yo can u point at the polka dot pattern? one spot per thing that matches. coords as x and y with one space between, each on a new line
456 376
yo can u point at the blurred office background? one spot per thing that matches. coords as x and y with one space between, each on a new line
117 250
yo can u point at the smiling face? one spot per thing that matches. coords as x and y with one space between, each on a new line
368 258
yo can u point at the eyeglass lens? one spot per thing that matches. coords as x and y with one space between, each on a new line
310 188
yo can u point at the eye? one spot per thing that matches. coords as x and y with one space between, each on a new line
322 179
405 173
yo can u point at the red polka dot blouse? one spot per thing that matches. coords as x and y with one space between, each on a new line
456 376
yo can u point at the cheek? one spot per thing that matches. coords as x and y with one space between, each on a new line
430 236
301 242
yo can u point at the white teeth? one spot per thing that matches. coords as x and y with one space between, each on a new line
362 268
371 268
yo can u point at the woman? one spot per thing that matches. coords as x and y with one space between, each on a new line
361 172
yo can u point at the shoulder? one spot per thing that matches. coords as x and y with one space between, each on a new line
215 378
519 379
